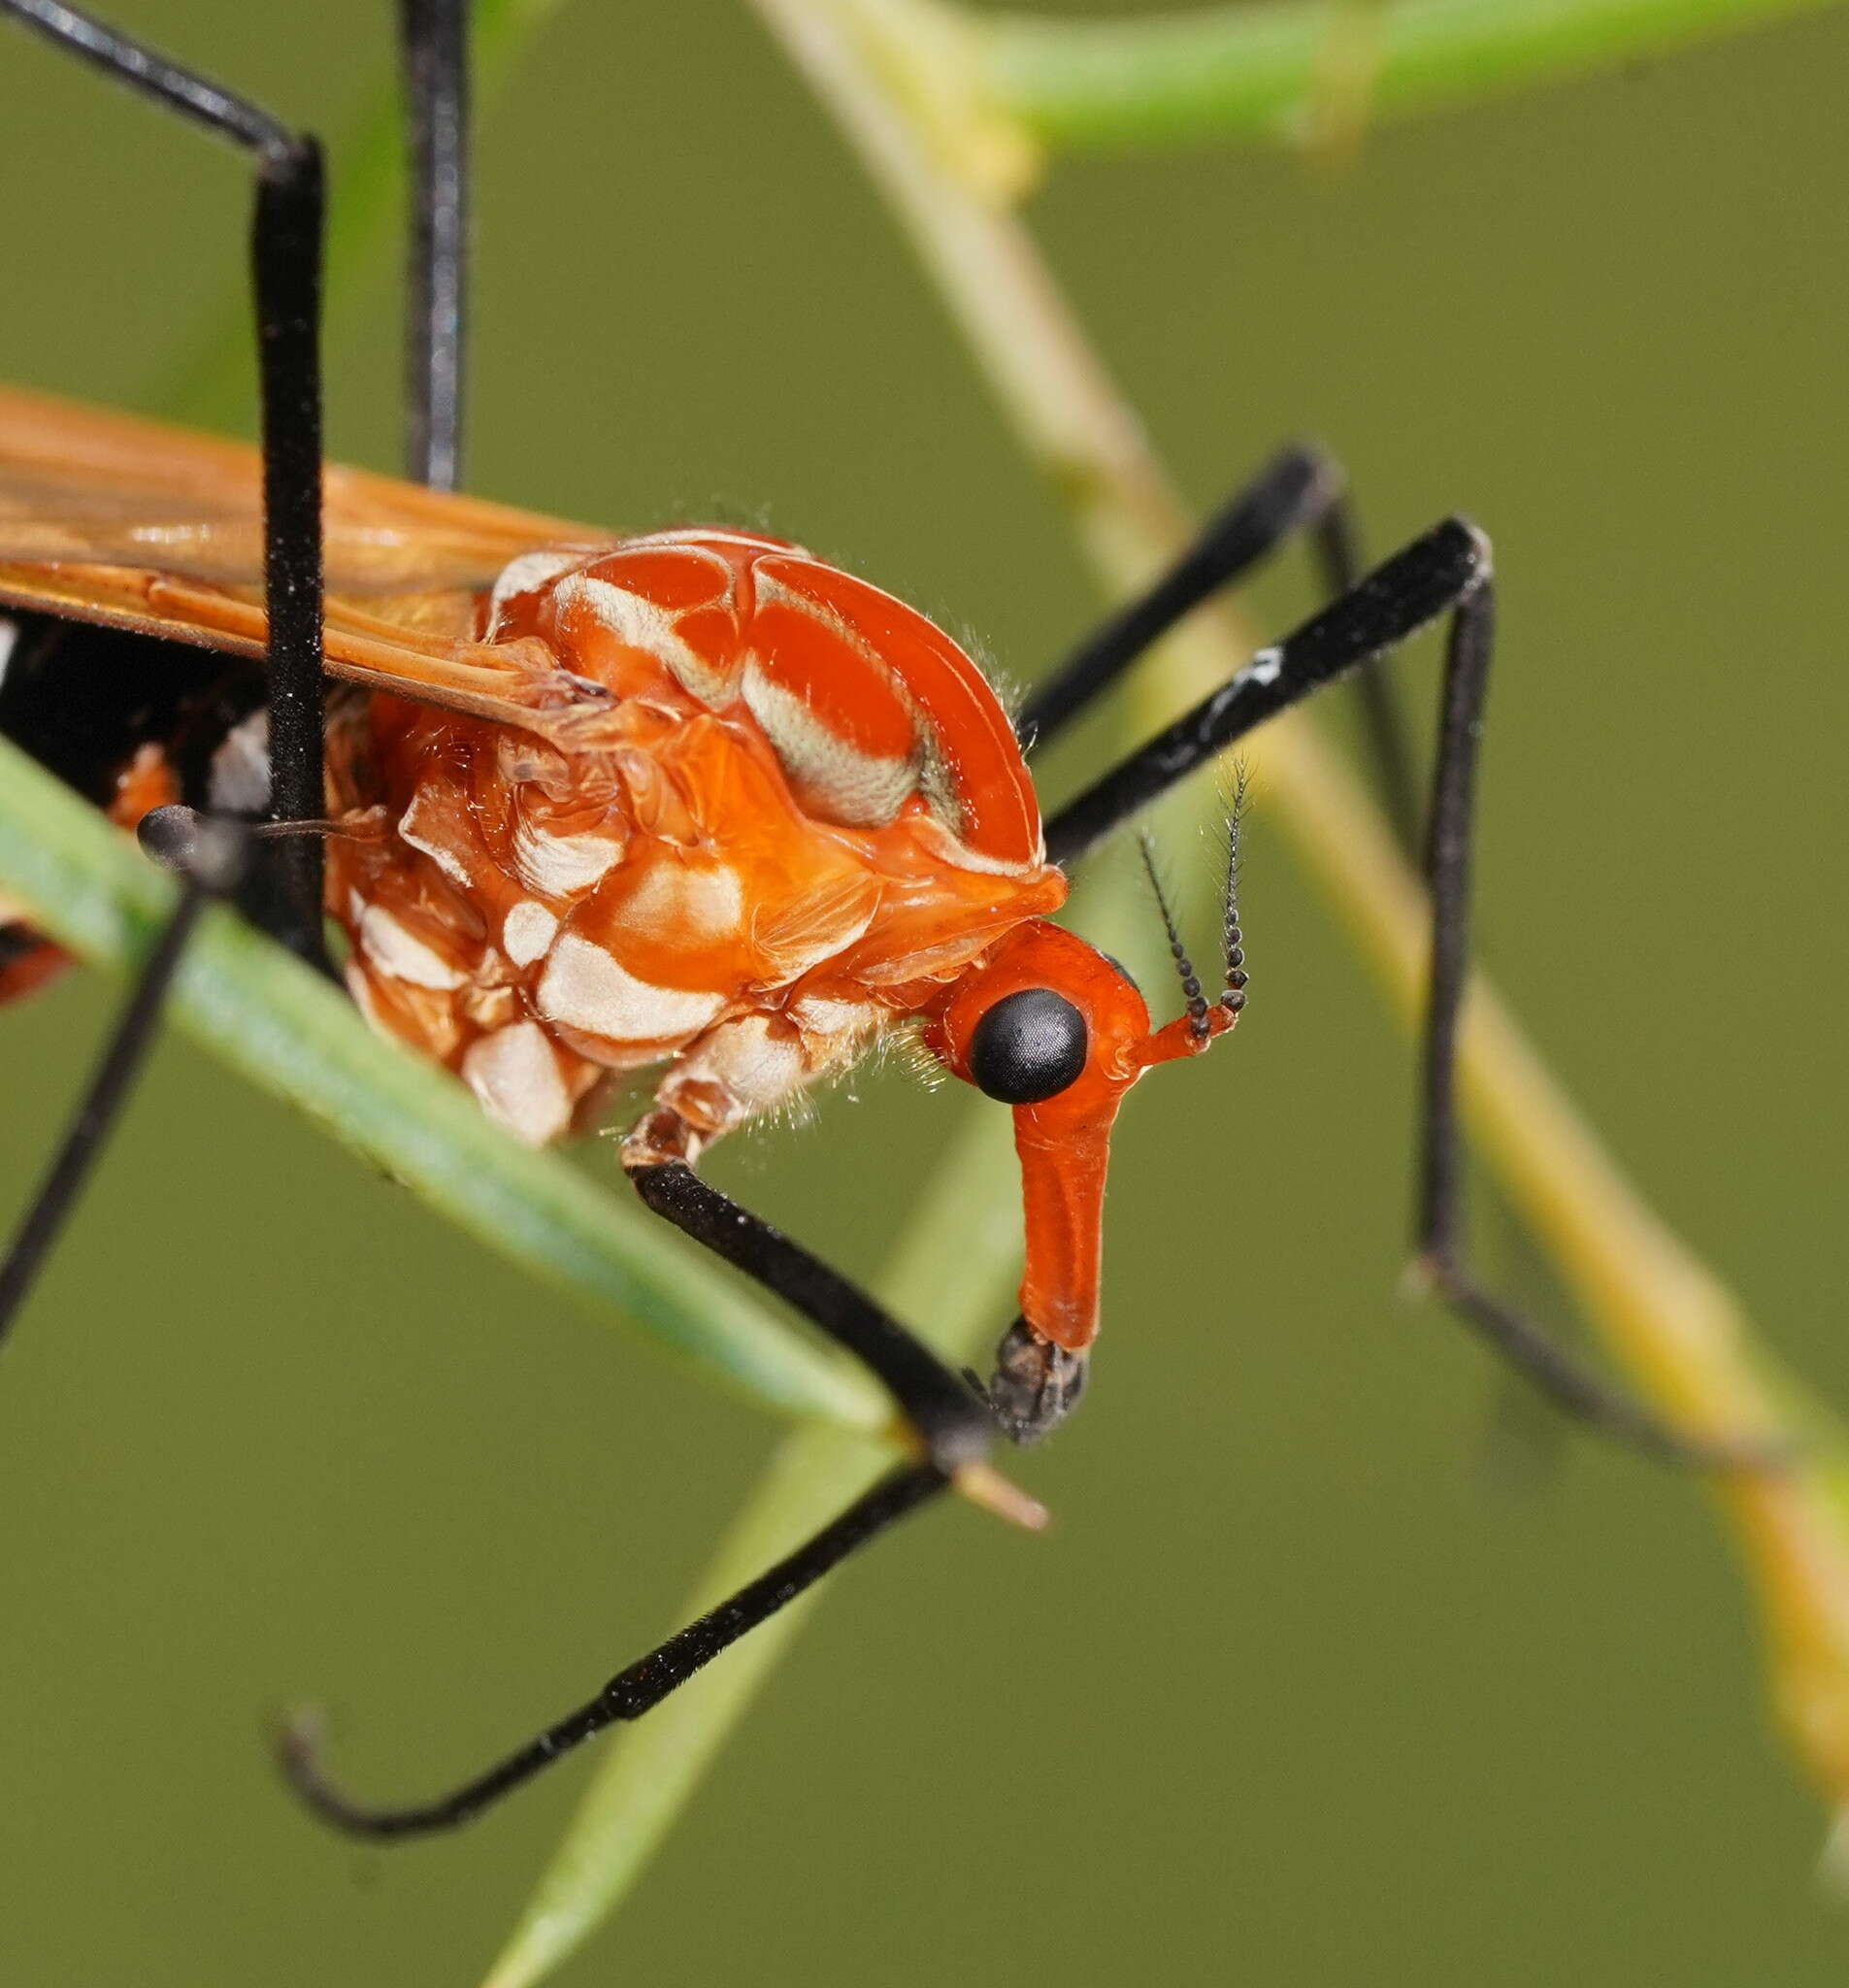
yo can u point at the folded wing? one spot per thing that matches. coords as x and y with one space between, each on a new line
110 519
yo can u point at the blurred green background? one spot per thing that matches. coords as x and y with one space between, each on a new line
1326 1671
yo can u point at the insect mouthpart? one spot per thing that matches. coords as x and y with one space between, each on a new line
1037 1384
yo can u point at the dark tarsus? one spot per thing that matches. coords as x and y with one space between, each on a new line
634 1691
102 1100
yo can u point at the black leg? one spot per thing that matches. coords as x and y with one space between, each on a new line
1513 1334
1388 759
1396 600
102 1102
286 243
285 254
954 1424
1387 755
1300 489
1448 569
286 261
1336 540
210 860
433 38
632 1692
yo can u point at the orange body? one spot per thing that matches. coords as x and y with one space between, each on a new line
800 817
694 799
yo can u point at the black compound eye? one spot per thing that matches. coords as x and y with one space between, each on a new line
1029 1047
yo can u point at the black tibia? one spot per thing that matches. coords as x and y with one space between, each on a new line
1519 1338
433 35
287 250
1035 1386
953 1423
1396 600
78 699
1299 490
1388 749
632 1692
115 1071
286 258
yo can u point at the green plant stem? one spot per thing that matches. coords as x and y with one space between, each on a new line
651 1771
287 1029
1258 72
1662 1311
969 1216
1672 1322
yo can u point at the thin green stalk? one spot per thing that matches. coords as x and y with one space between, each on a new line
969 1216
1672 1322
1259 73
1663 1310
652 1770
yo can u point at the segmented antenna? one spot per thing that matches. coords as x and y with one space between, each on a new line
1234 999
1184 965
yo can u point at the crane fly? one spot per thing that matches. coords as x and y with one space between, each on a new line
694 799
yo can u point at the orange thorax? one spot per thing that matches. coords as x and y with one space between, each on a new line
805 810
